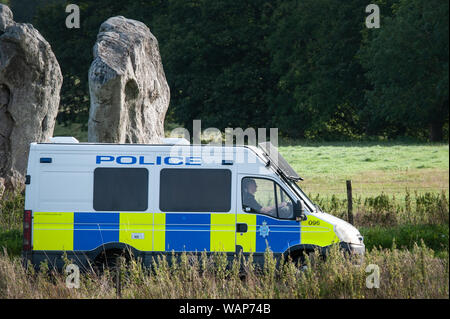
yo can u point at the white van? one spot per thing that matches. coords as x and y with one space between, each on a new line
92 200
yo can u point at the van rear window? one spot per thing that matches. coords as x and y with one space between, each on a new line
195 190
120 189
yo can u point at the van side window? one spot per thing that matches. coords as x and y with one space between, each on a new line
195 190
121 189
258 196
264 196
285 204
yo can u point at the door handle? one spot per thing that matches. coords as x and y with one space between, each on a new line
241 228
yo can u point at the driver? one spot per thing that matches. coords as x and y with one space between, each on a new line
248 199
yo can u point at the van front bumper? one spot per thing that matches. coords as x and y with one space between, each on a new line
353 249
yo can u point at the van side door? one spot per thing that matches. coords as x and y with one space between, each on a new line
265 217
198 207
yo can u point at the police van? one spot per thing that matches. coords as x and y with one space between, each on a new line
90 201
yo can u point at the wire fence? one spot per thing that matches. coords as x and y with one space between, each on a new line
370 189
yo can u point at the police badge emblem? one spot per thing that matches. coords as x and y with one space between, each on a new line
264 230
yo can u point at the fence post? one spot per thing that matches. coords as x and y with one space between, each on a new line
350 202
118 279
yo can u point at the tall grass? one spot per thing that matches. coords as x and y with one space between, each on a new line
11 211
384 210
11 219
414 273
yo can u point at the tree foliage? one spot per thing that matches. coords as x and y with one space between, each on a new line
320 83
309 67
217 62
407 63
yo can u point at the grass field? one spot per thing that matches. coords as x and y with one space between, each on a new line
412 273
373 167
74 130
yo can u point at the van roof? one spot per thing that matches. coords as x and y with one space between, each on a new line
129 144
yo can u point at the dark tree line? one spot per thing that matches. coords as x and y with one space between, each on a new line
309 67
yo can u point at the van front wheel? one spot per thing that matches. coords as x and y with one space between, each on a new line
299 258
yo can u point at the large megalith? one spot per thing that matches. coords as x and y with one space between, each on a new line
128 87
30 83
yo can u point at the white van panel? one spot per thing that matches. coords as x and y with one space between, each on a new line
64 191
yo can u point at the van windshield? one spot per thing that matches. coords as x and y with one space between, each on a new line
278 161
286 171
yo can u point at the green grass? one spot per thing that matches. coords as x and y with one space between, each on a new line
75 129
435 237
373 167
11 240
352 158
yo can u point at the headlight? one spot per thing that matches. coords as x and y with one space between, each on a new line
342 234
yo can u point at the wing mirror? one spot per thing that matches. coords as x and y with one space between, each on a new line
298 211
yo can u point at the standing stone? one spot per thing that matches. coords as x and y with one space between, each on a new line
30 82
128 87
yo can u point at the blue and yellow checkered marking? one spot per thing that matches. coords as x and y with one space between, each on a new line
94 229
223 233
84 231
53 231
188 232
141 224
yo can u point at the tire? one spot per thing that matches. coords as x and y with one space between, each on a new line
299 259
